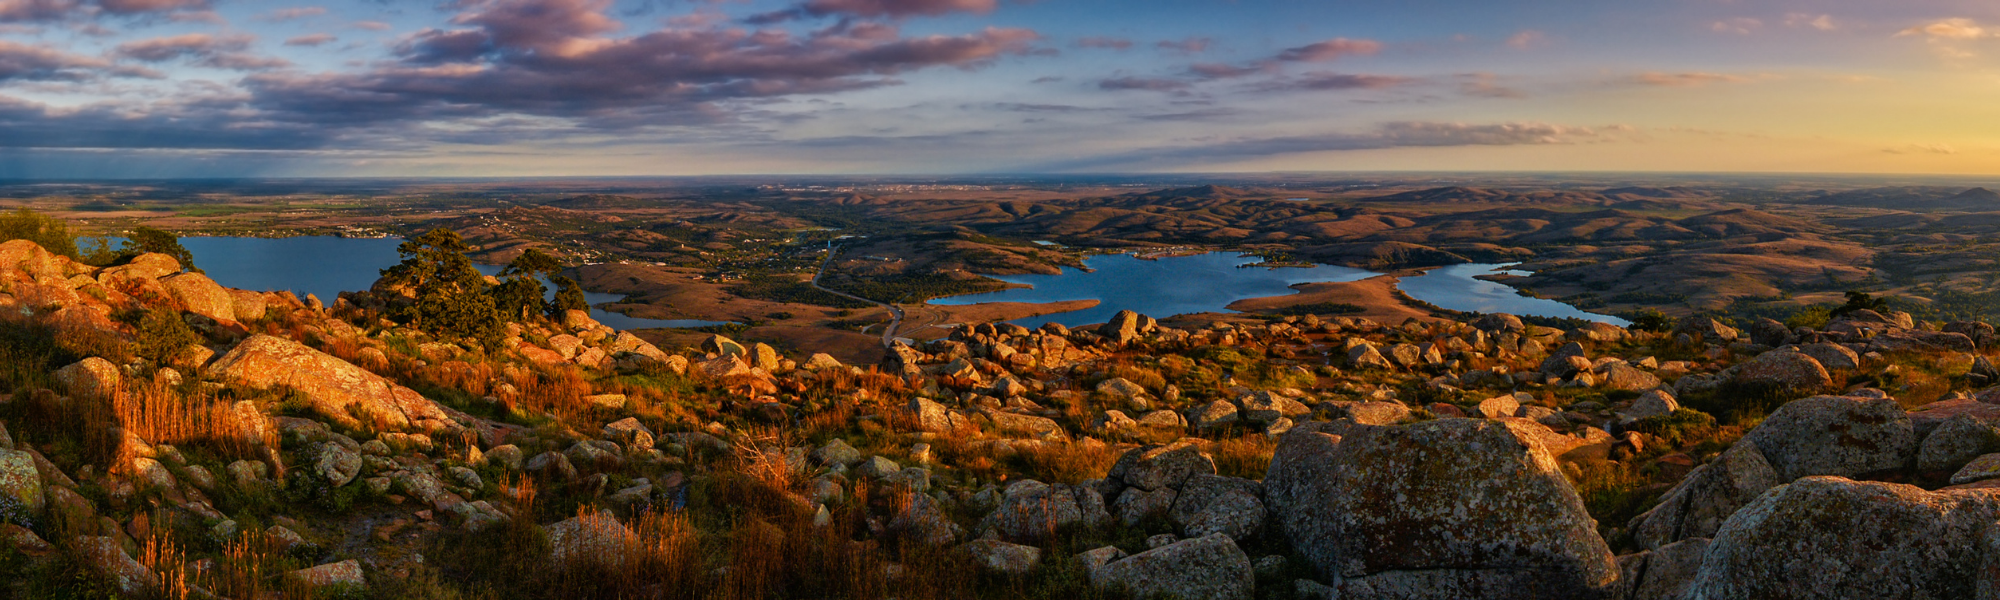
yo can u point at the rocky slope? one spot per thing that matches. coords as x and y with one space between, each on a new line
299 449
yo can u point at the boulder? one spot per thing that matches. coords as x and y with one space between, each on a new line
1697 506
1769 332
1832 356
1123 328
1979 469
921 521
1835 435
201 295
335 388
597 538
1784 370
1663 573
1209 567
1135 505
1655 403
1498 407
1832 538
106 557
724 346
1031 511
1001 557
92 377
1026 426
336 465
343 574
1157 467
1215 504
836 452
1265 407
1476 508
21 497
1217 414
1118 388
1621 376
1955 442
1366 357
1374 412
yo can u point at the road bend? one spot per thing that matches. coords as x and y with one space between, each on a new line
895 313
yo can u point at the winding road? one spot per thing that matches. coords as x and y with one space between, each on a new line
896 313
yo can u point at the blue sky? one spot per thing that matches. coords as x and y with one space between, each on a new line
233 88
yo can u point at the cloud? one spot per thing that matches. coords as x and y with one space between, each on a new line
1226 71
373 25
1193 45
312 39
1738 25
287 14
27 62
1327 80
1690 79
1328 50
1820 22
56 10
555 58
1922 149
1949 29
1399 134
221 52
1142 83
875 9
1112 43
199 123
1485 85
1525 39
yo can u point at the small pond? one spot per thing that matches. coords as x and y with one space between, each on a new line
1159 288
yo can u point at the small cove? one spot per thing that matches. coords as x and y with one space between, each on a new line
324 266
1160 287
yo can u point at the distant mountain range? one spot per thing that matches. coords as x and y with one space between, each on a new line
1977 199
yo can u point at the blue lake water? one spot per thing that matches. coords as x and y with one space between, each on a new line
1454 287
1158 288
325 266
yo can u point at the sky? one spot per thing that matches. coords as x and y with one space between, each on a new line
353 88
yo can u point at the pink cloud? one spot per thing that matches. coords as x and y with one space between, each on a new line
311 39
1525 39
1112 43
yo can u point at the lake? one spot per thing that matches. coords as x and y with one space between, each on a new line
324 266
1456 288
1158 288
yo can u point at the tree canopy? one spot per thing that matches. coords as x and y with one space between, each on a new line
50 233
449 296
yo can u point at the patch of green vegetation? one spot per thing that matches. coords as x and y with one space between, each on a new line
784 289
912 287
1679 428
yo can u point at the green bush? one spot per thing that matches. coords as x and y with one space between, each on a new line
50 233
162 334
1682 427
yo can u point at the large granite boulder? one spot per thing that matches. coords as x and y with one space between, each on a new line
93 378
1784 370
1697 506
337 390
589 538
1832 538
1209 567
1167 466
1955 442
1032 511
201 295
1215 504
1449 508
21 497
1663 573
1835 435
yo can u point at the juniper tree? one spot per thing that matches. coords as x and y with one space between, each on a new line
449 295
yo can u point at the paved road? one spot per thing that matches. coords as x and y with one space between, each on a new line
896 313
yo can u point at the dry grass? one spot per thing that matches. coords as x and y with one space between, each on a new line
160 414
1247 457
1065 463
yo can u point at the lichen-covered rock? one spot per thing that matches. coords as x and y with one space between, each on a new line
1210 567
1835 435
90 378
1498 407
1136 504
589 538
21 498
1002 557
1621 376
1663 573
1832 538
337 390
1026 426
1697 506
1832 356
1784 370
1955 442
1167 466
106 557
1979 469
920 520
1216 504
343 574
1032 511
1463 504
1217 414
336 464
1654 403
1366 356
1374 412
201 295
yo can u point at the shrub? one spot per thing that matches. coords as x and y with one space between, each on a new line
1652 319
162 334
50 233
1814 317
1678 429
